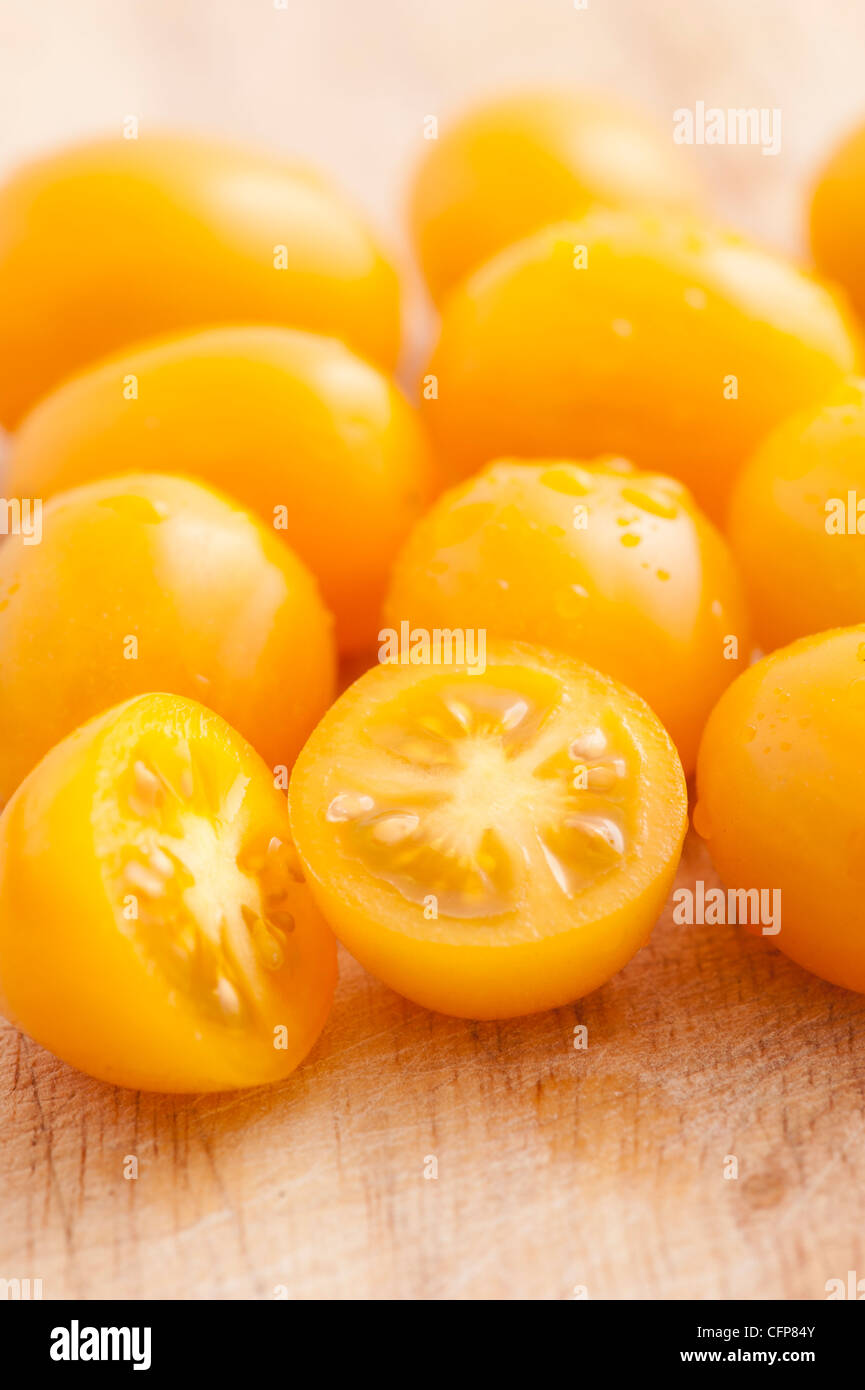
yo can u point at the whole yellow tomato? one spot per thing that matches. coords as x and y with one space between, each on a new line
316 441
613 566
527 159
797 520
116 240
671 343
155 583
779 785
838 217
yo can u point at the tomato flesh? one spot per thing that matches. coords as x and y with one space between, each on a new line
155 929
492 843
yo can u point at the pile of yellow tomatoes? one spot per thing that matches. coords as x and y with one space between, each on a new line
621 472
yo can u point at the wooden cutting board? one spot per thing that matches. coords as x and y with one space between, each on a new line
558 1169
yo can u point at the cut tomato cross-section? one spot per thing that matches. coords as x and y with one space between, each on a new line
155 928
490 843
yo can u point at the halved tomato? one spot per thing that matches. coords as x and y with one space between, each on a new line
155 928
490 842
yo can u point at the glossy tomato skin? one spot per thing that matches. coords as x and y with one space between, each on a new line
316 441
794 523
129 988
117 240
614 566
152 582
517 163
779 785
513 892
668 342
837 217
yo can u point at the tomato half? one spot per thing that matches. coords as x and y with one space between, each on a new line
155 929
490 842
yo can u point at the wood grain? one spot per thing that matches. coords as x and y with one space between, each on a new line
557 1167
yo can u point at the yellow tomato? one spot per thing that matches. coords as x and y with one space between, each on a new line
316 441
116 240
838 217
155 929
672 344
779 782
525 160
616 567
156 583
490 842
797 520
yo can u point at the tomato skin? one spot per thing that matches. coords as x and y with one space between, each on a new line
215 603
71 974
527 159
542 953
277 418
652 603
633 352
837 217
779 796
116 240
780 529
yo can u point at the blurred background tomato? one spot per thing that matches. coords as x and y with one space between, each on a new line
349 87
